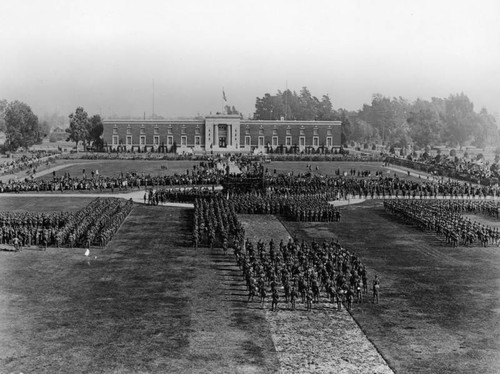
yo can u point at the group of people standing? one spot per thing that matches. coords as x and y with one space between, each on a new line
445 218
297 207
94 224
307 273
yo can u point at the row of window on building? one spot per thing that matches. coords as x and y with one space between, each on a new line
156 130
289 141
156 140
247 131
248 141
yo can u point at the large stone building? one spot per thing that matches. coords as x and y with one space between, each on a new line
221 133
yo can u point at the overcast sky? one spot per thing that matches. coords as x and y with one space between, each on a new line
105 55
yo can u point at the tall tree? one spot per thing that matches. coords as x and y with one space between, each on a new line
395 121
346 129
380 115
308 105
95 131
363 131
3 107
22 129
79 125
486 131
289 105
458 118
264 108
325 111
424 127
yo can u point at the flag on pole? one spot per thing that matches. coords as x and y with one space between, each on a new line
224 95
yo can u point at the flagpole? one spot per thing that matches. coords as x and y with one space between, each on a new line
286 98
223 100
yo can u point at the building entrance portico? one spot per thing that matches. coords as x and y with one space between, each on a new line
222 132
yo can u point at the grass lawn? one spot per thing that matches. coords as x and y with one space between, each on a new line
149 303
113 168
55 203
325 167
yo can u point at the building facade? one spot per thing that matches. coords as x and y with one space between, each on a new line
221 133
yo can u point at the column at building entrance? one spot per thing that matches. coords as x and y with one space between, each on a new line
216 136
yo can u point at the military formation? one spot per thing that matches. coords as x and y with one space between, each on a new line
215 222
93 225
487 208
302 207
31 228
445 219
179 194
293 273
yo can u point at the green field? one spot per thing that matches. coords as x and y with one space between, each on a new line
148 303
439 308
54 203
114 168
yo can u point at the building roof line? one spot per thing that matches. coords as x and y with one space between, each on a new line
289 121
202 121
152 121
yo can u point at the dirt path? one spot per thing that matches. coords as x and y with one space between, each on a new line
323 341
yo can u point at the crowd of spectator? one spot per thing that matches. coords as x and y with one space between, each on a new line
93 181
465 169
29 162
